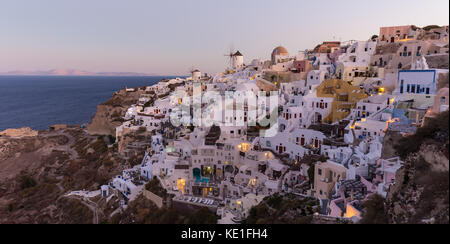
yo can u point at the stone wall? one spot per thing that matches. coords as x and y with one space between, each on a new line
157 200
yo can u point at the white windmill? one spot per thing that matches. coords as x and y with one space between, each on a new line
236 59
196 74
230 56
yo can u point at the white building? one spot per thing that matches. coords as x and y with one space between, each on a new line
280 55
237 60
196 75
419 85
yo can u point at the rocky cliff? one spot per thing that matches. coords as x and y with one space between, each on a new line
421 191
36 171
109 114
37 168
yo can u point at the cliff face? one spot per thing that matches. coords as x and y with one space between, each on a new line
421 191
109 114
37 168
36 171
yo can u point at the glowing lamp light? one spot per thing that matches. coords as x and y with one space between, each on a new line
392 100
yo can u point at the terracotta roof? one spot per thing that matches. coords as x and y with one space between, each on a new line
280 50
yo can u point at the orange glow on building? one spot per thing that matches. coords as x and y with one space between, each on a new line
181 184
351 212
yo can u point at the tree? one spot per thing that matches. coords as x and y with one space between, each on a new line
435 128
203 216
311 172
26 181
375 212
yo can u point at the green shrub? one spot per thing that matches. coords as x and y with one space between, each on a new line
155 187
375 212
311 172
202 216
26 181
435 129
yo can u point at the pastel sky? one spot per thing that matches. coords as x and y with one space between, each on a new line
171 36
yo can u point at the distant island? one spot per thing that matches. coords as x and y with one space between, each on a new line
73 72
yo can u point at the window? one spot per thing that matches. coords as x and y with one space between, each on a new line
427 91
408 88
413 88
442 98
319 171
